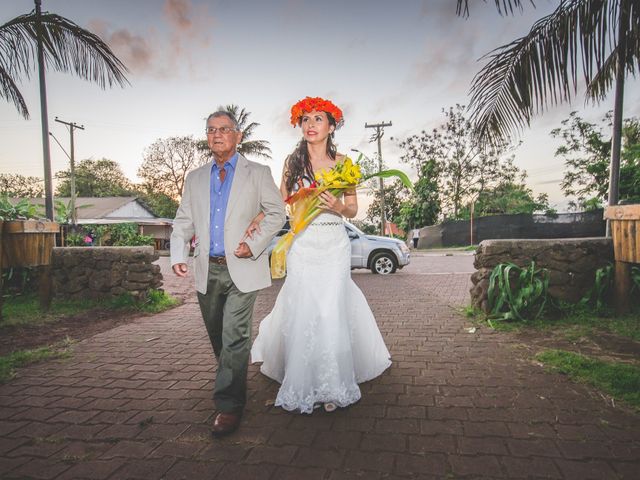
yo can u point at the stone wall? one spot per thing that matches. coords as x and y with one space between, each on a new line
103 272
572 263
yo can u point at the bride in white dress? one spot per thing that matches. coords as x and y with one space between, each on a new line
321 338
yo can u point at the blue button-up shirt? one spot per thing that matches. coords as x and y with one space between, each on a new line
219 195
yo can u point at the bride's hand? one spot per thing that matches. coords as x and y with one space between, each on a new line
329 202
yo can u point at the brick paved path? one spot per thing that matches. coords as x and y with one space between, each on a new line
134 402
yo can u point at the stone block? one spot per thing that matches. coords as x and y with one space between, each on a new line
141 277
117 291
140 267
134 286
103 265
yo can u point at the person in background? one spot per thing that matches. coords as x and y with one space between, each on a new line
415 237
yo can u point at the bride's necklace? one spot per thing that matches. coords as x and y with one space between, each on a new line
328 162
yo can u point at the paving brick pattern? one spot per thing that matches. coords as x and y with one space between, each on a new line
135 402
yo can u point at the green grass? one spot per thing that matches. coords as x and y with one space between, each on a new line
25 309
580 322
572 322
158 301
20 358
620 380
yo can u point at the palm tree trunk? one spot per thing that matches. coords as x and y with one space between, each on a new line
616 136
44 115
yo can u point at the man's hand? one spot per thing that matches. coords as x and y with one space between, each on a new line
180 269
243 251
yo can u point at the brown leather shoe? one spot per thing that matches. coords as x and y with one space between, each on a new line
225 423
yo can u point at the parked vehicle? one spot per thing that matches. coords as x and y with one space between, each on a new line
382 255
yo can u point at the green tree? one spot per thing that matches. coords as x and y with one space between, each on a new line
422 208
598 40
394 195
160 204
586 152
95 178
511 198
20 186
464 168
248 147
67 48
166 164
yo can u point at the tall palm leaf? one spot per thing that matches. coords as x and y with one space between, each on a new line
247 147
503 6
259 148
67 48
522 78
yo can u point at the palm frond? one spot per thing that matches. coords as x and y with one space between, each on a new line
248 130
9 90
605 77
541 69
67 48
259 148
505 7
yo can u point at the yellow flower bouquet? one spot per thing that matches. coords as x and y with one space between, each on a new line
305 203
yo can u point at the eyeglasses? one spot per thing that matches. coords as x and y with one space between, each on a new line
222 130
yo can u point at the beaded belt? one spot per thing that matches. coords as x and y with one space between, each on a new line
218 260
324 223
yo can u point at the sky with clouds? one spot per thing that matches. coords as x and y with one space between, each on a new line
379 60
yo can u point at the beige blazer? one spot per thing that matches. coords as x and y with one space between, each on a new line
253 191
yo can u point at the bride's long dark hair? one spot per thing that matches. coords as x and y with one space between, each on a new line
298 163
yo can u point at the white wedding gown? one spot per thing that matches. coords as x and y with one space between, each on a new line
321 338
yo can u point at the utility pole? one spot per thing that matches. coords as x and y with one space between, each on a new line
72 203
616 137
378 136
44 116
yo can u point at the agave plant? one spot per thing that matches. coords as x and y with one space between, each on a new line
517 293
599 294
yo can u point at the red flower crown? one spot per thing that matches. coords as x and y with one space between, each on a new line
315 104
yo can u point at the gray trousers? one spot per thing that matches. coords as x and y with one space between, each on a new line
227 314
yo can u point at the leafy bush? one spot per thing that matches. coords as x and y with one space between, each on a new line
74 240
23 210
19 280
517 293
122 235
635 278
599 295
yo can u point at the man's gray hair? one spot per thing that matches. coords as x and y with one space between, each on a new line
224 113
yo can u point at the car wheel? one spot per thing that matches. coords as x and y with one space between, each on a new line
383 263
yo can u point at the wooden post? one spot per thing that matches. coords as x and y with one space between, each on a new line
622 287
45 287
625 229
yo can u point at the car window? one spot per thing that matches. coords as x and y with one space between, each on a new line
353 228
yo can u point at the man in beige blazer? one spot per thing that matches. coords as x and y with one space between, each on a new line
219 201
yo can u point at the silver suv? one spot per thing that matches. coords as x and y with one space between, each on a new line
381 255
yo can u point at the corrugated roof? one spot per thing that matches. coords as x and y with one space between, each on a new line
92 207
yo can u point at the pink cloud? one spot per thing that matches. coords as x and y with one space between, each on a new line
166 54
